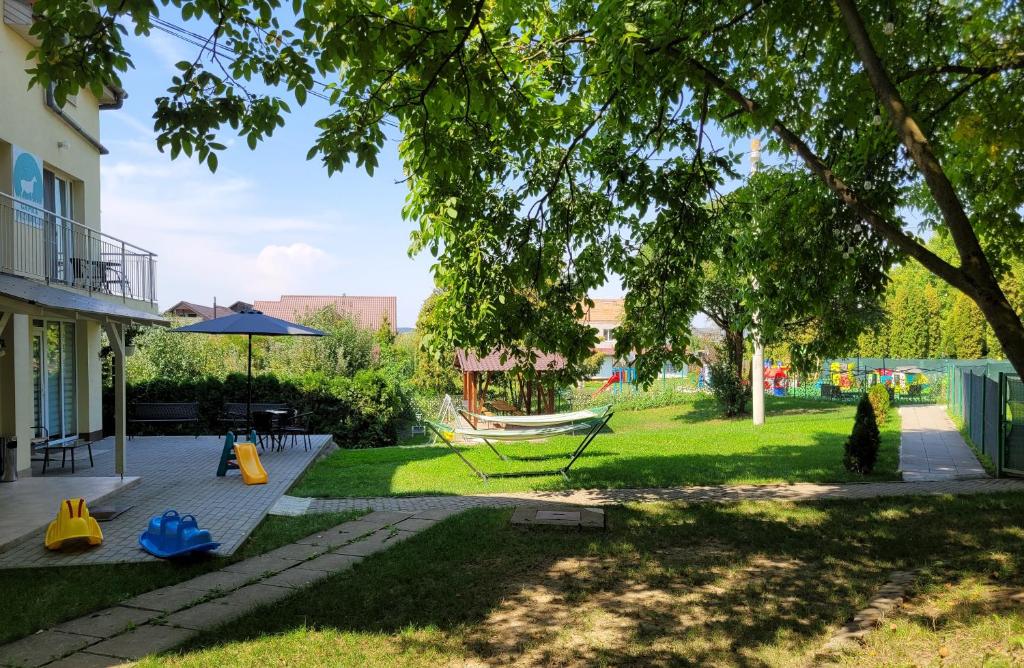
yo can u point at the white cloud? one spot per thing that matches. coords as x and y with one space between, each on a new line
214 234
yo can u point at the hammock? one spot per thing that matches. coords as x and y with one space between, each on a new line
447 435
550 419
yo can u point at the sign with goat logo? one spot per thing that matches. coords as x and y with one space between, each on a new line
27 176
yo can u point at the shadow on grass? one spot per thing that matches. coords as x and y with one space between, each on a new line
706 408
666 584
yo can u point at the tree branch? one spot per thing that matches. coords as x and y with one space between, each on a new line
972 259
955 68
887 229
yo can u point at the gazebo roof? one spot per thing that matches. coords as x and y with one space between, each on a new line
466 360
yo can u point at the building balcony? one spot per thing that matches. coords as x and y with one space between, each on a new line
47 247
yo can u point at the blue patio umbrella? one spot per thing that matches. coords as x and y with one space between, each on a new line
249 323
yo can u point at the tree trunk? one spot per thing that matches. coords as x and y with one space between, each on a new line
734 345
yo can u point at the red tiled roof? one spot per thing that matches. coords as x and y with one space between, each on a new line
202 312
605 310
469 361
368 312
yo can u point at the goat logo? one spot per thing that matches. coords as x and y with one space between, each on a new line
28 188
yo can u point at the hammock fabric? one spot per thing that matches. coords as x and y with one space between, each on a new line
551 419
447 435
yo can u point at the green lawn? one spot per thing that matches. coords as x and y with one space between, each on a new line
37 598
687 444
752 584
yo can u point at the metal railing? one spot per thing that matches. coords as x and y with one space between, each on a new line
48 247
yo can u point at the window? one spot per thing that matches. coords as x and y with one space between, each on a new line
608 334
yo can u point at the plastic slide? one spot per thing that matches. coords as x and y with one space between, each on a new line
614 378
249 464
73 525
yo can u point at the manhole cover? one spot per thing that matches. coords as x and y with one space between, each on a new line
572 516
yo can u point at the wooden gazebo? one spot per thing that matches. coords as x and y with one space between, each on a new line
534 395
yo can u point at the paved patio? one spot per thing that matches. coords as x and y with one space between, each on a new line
174 472
931 447
29 503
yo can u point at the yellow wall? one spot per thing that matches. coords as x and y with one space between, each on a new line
27 122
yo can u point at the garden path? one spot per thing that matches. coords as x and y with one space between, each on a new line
931 447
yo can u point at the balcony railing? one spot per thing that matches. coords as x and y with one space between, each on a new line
45 246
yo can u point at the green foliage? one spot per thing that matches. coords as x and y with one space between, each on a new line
878 396
592 366
362 411
727 386
550 146
861 450
435 359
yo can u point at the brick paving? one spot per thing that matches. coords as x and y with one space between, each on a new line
163 619
176 472
931 447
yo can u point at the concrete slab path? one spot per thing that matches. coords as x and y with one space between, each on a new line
165 618
931 447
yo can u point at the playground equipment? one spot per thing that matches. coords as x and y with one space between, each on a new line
621 376
73 525
246 460
171 535
776 379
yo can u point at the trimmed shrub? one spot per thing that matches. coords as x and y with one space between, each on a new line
361 411
861 450
878 395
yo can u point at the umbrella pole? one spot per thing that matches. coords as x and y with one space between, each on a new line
248 405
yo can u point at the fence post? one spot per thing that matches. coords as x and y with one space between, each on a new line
984 404
1002 424
124 271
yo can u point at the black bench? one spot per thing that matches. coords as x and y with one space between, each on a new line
165 413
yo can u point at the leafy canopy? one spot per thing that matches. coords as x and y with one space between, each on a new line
550 146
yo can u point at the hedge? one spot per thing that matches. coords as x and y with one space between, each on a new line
362 411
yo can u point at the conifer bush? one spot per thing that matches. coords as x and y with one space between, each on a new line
861 450
878 395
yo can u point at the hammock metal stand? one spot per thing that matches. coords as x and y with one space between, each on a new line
447 434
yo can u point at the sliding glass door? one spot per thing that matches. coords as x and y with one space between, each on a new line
53 360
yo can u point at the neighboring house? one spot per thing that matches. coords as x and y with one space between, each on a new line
368 312
62 281
188 310
607 314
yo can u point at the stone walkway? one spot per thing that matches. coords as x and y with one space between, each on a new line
931 447
176 472
163 619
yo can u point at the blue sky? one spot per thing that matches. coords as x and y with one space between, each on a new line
268 222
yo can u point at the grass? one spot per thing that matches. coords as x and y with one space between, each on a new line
802 440
750 584
38 598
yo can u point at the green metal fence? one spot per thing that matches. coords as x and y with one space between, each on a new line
988 398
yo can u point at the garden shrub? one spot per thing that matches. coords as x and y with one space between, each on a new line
878 395
362 411
861 449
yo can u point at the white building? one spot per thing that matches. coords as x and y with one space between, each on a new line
62 280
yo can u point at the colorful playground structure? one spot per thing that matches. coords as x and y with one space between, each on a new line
246 460
73 526
622 376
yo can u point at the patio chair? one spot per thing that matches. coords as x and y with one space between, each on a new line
297 426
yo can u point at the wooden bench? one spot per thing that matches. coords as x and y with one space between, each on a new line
164 413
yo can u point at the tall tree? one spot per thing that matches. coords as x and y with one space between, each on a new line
538 136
